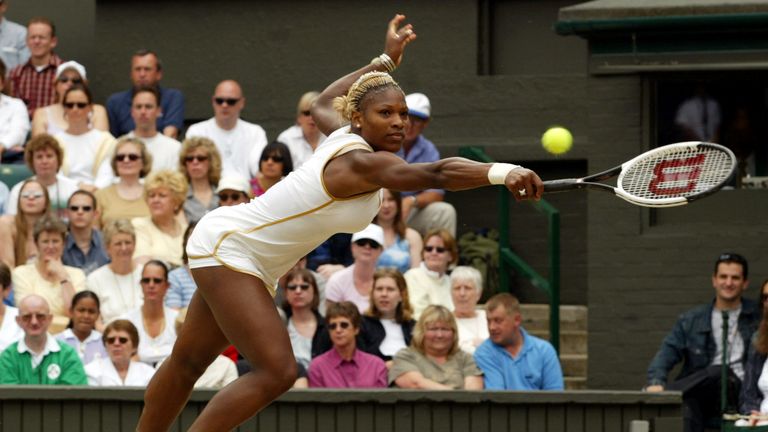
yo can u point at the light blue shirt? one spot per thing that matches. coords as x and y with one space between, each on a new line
13 44
536 366
182 287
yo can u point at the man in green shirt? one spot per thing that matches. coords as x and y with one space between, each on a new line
39 358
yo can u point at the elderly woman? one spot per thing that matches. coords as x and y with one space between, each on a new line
86 150
200 161
52 119
154 321
47 276
10 331
306 328
434 360
402 245
160 235
429 283
81 333
131 162
275 163
117 283
387 324
17 244
43 155
119 369
466 289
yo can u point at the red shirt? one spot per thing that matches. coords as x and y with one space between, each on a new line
363 371
35 88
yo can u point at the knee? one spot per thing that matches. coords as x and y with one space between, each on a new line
186 367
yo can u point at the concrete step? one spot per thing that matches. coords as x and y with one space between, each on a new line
536 317
575 383
571 341
574 365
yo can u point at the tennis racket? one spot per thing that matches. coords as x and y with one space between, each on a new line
667 176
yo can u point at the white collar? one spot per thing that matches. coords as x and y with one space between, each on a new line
50 346
430 273
69 334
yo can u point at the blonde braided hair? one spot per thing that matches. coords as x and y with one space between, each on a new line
371 81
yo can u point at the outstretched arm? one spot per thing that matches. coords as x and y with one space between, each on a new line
326 118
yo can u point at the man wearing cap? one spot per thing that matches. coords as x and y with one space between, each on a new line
355 283
302 138
233 190
146 71
32 81
424 210
697 341
239 142
13 37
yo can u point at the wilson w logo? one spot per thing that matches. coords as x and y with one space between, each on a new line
669 174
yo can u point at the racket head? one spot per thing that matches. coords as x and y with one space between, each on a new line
675 174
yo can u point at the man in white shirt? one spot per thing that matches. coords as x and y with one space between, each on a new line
14 121
239 142
145 110
302 138
13 40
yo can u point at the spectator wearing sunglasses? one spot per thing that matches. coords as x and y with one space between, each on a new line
275 163
345 366
306 327
131 162
17 246
154 320
429 284
200 161
145 110
303 137
119 369
51 119
83 247
239 142
355 282
233 190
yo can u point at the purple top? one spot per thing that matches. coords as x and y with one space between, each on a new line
363 371
88 350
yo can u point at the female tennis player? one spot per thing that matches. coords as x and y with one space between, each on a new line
237 253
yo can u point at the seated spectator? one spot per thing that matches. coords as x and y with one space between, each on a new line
43 155
305 325
86 150
387 324
10 331
201 164
119 369
4 192
81 333
131 162
319 280
275 163
160 235
14 120
402 245
512 359
355 282
429 284
13 44
48 277
302 138
17 244
239 142
233 190
145 111
38 358
332 255
51 119
83 247
182 285
466 289
345 366
434 360
146 71
153 320
219 373
752 400
117 283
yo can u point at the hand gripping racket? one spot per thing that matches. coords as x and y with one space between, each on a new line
667 176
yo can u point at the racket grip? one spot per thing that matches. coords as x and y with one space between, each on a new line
562 185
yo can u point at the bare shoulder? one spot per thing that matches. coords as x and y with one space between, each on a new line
8 224
412 235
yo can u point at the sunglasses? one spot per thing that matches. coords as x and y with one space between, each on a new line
275 159
32 195
76 209
228 101
147 280
294 287
198 158
39 317
306 113
70 105
368 242
438 249
344 325
68 79
122 157
112 339
234 196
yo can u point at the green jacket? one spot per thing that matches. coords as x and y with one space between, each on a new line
60 366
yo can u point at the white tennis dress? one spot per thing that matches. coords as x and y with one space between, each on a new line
267 236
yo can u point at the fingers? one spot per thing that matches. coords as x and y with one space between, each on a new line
525 185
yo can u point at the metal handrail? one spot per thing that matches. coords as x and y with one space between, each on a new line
509 259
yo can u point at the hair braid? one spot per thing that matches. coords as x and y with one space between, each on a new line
349 103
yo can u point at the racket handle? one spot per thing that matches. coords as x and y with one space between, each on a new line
562 185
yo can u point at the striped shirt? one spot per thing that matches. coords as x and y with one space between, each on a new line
35 87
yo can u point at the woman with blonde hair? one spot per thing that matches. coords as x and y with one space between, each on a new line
160 235
200 162
131 162
387 324
17 244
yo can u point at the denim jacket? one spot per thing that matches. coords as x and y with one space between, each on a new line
691 341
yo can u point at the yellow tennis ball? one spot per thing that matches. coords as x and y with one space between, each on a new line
557 140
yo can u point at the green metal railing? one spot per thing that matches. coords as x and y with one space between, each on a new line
510 260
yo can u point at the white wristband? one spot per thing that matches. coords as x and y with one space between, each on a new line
498 172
